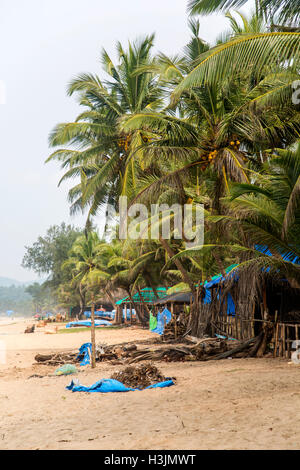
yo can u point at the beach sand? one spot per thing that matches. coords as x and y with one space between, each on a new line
228 404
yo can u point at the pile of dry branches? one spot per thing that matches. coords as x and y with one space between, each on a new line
56 359
139 376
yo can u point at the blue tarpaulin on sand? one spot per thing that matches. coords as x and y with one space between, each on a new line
163 318
111 385
88 323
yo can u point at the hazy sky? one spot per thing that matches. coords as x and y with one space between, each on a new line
45 43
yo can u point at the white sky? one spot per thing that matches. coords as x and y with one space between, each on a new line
44 44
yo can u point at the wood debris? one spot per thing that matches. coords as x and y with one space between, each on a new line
174 331
203 349
141 376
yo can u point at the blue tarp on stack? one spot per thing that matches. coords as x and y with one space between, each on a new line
88 323
126 313
111 385
111 315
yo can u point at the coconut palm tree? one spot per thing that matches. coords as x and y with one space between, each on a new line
83 263
284 10
263 219
97 150
268 212
260 53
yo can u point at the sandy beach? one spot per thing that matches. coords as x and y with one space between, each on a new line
228 404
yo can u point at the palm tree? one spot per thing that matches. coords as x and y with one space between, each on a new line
103 151
285 10
82 261
226 128
261 53
268 213
263 219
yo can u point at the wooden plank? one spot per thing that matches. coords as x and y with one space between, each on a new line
288 354
283 341
276 340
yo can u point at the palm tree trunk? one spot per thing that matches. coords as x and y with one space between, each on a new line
81 301
144 305
136 308
118 316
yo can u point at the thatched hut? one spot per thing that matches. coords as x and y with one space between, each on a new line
245 301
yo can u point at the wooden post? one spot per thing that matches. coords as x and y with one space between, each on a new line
125 318
288 341
280 340
283 341
174 319
93 336
276 335
130 313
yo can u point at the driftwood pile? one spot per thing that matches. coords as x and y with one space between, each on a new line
173 331
194 349
139 376
56 359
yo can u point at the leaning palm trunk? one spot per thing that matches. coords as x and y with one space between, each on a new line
195 305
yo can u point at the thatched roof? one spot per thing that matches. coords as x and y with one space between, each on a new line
179 298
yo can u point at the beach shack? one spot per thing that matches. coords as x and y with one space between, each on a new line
244 302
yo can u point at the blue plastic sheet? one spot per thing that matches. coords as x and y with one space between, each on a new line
126 313
111 385
207 297
230 305
163 318
84 354
88 323
111 315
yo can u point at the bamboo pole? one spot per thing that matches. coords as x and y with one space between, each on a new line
283 340
276 335
93 336
288 342
174 318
